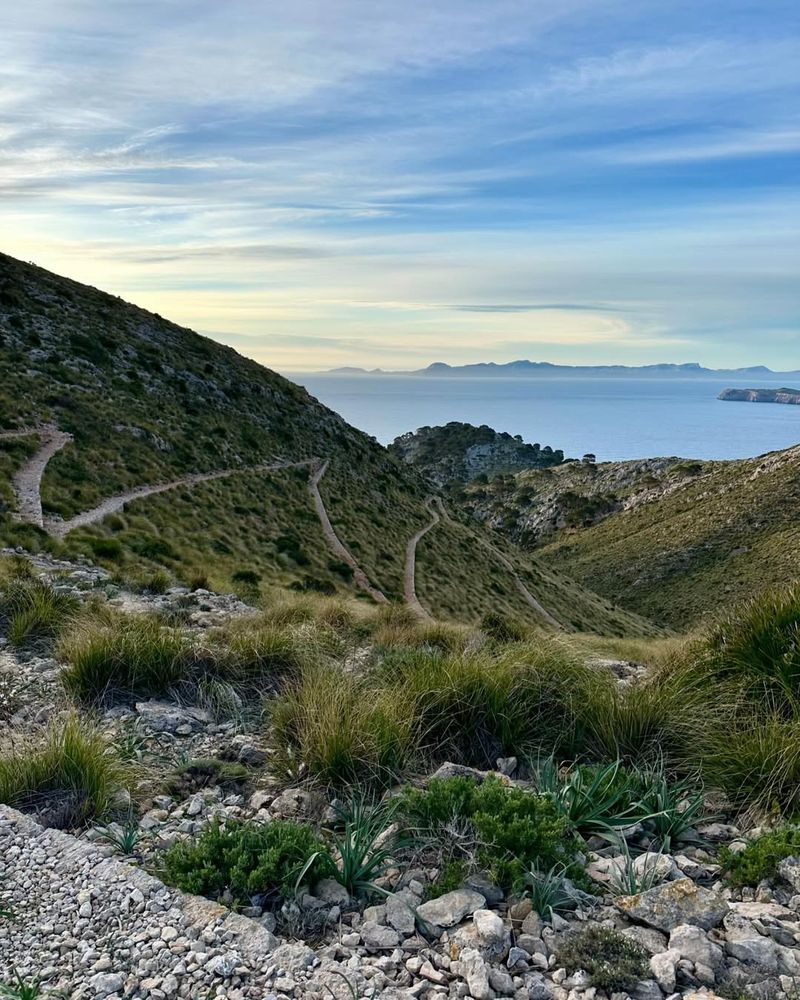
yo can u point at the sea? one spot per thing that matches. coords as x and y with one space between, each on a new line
614 418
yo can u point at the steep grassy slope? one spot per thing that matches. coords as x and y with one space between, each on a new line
728 531
149 402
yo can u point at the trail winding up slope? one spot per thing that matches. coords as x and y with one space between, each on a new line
334 542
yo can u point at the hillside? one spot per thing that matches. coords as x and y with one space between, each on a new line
460 452
671 539
158 448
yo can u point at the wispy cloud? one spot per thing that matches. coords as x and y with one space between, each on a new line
366 180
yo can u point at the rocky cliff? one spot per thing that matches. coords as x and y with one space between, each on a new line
761 395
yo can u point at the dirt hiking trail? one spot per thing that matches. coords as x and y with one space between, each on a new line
334 542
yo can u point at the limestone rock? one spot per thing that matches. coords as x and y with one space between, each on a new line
451 908
667 906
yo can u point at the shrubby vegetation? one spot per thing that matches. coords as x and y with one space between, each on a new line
245 860
613 962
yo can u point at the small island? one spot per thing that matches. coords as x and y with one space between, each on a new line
762 395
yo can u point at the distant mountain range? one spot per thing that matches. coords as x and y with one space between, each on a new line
528 369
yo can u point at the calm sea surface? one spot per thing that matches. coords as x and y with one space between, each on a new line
615 418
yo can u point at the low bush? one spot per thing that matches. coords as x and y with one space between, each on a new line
502 628
612 961
250 862
476 707
129 655
513 829
33 609
760 859
68 776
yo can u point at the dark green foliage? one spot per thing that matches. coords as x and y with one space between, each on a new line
760 859
514 829
247 860
451 876
612 961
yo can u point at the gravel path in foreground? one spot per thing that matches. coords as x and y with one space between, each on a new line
91 926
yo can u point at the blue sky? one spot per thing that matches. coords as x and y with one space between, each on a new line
334 182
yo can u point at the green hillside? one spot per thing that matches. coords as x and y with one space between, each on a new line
147 402
692 545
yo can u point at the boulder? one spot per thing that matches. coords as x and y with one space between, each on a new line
491 932
692 943
789 871
667 906
451 908
472 968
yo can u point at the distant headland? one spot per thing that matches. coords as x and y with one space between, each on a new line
529 369
791 396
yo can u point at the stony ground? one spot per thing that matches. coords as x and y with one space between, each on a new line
90 923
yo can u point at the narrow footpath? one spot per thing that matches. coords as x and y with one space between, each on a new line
27 481
59 528
410 579
335 544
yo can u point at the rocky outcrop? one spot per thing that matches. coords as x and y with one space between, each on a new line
791 396
461 452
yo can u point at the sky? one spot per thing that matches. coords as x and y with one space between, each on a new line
364 182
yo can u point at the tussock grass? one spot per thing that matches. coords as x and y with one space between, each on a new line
31 609
343 730
445 637
126 654
69 775
757 647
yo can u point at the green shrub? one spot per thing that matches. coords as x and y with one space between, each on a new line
246 860
474 708
129 655
760 859
613 962
68 776
514 829
106 548
452 875
645 721
265 652
33 609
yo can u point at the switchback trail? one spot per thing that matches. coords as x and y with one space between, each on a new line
527 596
334 542
60 528
409 579
27 480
